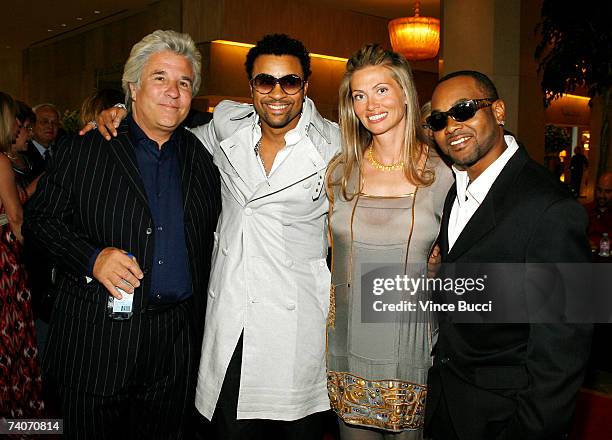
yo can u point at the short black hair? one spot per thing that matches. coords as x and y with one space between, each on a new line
25 113
483 81
278 44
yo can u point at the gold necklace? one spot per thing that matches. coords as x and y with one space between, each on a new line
381 166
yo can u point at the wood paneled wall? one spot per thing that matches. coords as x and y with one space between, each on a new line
11 72
322 29
64 72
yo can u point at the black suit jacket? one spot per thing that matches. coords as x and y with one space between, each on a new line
512 381
39 268
92 197
36 160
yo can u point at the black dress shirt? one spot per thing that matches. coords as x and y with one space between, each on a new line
161 176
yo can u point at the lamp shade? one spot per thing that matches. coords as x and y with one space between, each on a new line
417 38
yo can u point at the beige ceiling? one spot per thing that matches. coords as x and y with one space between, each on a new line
28 22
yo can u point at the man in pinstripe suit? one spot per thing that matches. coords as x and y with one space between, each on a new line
136 213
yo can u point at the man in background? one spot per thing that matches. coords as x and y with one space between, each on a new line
44 131
578 164
600 210
45 128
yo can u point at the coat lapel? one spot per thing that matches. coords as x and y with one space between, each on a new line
186 154
479 225
484 219
448 205
305 161
123 150
240 159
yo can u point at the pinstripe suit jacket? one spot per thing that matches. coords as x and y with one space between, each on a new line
93 197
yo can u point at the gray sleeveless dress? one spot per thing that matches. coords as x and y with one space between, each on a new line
377 371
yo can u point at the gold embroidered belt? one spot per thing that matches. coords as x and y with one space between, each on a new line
393 405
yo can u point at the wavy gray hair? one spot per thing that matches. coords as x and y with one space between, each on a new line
159 41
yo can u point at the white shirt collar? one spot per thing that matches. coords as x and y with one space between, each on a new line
41 149
294 135
479 188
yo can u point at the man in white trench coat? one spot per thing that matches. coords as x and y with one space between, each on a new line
263 353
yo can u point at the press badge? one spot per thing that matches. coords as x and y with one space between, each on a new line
120 309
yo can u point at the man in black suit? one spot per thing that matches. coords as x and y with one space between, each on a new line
501 381
131 218
44 134
45 128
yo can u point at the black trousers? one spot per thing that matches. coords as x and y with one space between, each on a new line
226 427
441 423
157 400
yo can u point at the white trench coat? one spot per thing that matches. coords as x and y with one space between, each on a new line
269 277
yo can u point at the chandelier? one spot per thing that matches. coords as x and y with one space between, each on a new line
417 38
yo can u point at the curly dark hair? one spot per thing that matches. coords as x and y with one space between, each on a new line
278 44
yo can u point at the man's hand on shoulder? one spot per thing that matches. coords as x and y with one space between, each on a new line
115 268
107 122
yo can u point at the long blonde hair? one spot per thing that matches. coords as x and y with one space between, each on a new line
356 138
7 121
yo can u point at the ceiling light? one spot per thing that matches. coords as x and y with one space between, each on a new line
79 18
417 38
96 12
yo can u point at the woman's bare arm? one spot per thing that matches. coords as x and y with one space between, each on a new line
9 196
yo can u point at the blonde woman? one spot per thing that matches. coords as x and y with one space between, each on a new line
386 189
20 380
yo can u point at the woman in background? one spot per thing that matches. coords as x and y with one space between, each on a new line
386 191
98 101
25 176
20 380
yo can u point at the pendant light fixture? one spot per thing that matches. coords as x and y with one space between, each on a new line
417 38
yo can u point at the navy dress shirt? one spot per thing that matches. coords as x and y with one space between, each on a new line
161 175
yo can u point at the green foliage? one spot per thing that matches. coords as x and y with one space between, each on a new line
556 139
576 51
71 122
576 47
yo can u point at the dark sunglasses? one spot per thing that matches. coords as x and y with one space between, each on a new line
264 83
459 112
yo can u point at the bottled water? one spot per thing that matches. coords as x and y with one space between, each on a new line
604 246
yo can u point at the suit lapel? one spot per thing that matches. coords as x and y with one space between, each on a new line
448 205
123 150
484 219
479 225
186 152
